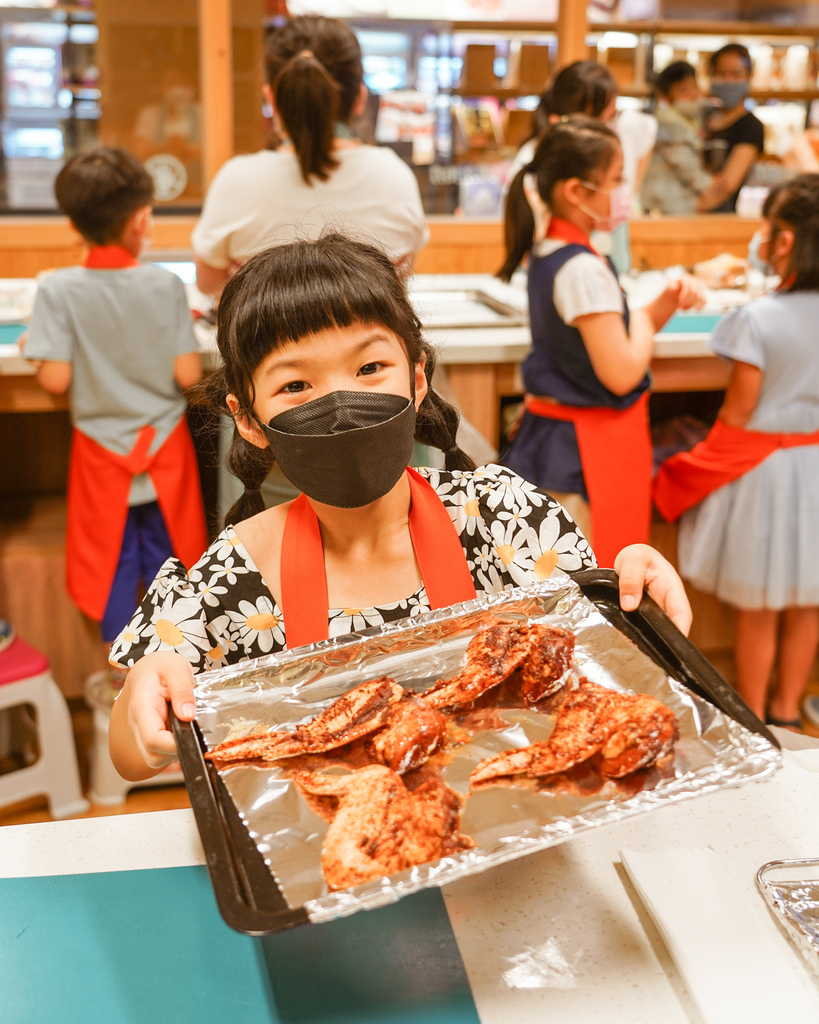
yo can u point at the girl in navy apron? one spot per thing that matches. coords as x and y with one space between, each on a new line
584 433
326 372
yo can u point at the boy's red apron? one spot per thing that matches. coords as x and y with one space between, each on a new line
303 579
726 454
615 452
99 482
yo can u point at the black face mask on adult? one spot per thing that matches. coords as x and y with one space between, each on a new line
347 448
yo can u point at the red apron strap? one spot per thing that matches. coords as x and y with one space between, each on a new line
437 547
726 454
302 576
615 452
303 579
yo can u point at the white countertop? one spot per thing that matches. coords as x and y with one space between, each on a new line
615 968
455 345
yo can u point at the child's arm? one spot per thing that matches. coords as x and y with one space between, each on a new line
187 369
54 376
620 359
139 738
741 395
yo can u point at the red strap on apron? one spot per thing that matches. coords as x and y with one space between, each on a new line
109 257
615 451
303 579
568 232
726 454
99 482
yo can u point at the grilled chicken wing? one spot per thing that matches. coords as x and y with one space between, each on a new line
412 732
360 711
627 730
542 653
377 826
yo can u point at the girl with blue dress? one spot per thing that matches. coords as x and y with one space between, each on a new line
750 491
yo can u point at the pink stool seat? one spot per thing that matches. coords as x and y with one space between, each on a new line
21 661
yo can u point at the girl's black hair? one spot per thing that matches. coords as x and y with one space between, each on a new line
796 207
584 87
579 147
738 50
313 65
290 291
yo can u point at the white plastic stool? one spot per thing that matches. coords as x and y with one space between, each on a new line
25 678
107 786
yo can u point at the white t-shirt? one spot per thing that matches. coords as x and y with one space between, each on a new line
260 200
584 284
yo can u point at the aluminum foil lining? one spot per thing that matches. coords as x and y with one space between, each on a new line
794 899
286 689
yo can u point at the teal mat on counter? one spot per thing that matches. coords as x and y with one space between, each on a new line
9 333
692 323
137 947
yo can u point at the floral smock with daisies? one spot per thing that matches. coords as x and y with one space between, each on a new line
221 611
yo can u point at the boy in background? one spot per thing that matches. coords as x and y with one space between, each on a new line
117 334
676 175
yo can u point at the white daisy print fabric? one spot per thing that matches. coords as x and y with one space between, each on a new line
221 611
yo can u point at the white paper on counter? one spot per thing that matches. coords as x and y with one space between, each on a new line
733 963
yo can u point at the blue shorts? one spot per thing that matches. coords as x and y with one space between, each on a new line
145 546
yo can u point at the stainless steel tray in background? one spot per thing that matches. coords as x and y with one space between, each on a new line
451 308
794 899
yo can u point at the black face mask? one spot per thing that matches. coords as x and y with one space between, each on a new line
348 448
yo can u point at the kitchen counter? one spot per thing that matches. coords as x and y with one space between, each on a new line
594 953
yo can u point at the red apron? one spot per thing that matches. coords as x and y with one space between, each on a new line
303 579
615 452
726 454
99 483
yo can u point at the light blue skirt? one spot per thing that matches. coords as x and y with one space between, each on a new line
755 542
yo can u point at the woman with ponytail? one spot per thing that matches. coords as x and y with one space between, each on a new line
327 373
322 175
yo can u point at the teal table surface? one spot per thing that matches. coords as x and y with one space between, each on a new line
692 323
129 947
9 333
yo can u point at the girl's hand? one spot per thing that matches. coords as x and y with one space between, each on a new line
687 292
140 737
641 566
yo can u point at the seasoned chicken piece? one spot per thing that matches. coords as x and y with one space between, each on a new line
356 713
377 826
412 732
627 730
544 667
543 653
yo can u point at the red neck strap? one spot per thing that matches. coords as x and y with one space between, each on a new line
568 232
109 257
303 579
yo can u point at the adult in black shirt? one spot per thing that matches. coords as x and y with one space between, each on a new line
734 138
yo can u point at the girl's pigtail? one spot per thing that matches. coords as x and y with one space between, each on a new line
251 465
437 422
307 101
518 226
244 460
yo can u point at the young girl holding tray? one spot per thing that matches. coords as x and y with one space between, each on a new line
584 434
326 371
750 490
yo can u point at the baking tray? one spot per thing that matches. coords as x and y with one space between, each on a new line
247 893
450 308
794 900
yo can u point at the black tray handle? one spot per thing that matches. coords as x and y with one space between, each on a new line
247 894
650 629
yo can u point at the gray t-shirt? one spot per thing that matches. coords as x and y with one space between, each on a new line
122 331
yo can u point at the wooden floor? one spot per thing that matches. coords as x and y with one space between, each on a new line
152 798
